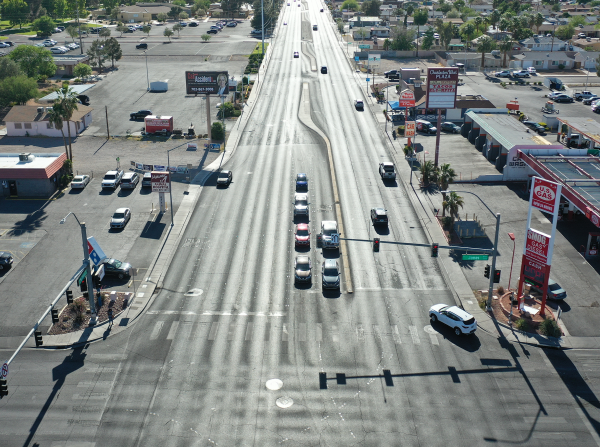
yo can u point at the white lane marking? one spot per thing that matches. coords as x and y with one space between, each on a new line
248 332
414 334
157 328
396 334
284 333
376 332
335 336
231 332
360 332
216 313
434 339
173 329
213 330
319 332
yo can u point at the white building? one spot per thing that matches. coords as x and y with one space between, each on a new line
31 121
544 43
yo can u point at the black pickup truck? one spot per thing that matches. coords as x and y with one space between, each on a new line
140 114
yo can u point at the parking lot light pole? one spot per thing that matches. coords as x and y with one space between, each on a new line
86 262
491 286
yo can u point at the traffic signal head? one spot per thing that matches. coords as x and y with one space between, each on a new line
3 388
83 285
434 249
38 338
376 244
69 297
487 271
54 316
497 276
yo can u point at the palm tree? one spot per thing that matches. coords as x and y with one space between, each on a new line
485 45
67 101
504 24
55 118
427 171
494 18
505 46
467 31
478 22
452 203
538 21
445 176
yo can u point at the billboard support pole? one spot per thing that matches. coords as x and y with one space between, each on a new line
170 189
208 117
437 137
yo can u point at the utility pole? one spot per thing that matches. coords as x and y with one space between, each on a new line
79 29
262 25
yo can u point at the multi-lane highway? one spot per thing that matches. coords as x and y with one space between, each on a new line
196 368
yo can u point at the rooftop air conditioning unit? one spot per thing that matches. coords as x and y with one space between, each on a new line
48 109
24 156
40 110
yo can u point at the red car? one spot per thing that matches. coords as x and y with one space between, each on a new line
302 236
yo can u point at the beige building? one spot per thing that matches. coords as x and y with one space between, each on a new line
145 12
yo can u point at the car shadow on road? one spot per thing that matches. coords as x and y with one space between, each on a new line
469 343
125 192
331 293
329 253
390 183
381 230
75 191
106 192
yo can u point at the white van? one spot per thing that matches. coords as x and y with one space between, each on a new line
301 204
330 237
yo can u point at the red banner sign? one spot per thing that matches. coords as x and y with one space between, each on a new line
537 245
544 195
592 216
407 99
409 129
160 181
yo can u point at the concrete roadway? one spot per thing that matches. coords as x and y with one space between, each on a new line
194 369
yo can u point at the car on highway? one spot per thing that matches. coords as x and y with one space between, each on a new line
555 291
147 180
193 24
302 270
450 127
302 235
590 100
285 23
379 216
531 70
143 46
184 24
9 43
225 178
130 180
520 74
321 10
112 179
315 27
563 98
301 181
330 271
535 126
387 171
80 181
300 204
212 31
458 319
502 74
140 114
4 45
120 218
359 105
6 260
323 68
114 267
296 54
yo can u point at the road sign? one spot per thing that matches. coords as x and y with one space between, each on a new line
368 79
4 370
409 129
82 277
537 246
160 181
364 47
335 239
215 146
356 58
475 257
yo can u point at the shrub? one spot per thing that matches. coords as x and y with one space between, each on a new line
503 84
483 305
561 66
500 290
400 130
217 131
550 328
447 222
522 324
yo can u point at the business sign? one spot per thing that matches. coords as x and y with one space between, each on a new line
441 87
206 82
407 98
592 216
364 47
534 272
94 250
409 129
374 58
545 195
537 246
160 181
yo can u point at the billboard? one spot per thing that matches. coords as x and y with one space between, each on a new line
545 195
409 129
407 98
206 82
537 246
160 181
441 87
534 272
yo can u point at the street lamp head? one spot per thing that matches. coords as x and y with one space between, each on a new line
63 220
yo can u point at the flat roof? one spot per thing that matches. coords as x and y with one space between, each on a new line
506 130
586 126
79 89
41 166
41 161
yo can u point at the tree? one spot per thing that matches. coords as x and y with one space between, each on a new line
8 68
60 8
177 27
113 51
44 26
504 24
72 32
271 13
505 46
428 40
56 120
538 21
168 32
459 4
231 7
478 23
467 31
34 61
179 2
485 45
445 8
494 18
371 8
97 54
452 203
340 25
104 32
420 18
409 11
17 90
565 32
67 101
183 15
82 70
174 12
445 175
362 33
598 66
217 131
122 28
556 7
446 32
146 29
17 12
205 37
161 17
577 20
402 39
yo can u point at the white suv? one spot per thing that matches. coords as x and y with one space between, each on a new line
112 179
460 320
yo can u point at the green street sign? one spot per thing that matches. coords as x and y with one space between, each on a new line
475 257
82 277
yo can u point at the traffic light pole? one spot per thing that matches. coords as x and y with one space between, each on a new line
493 272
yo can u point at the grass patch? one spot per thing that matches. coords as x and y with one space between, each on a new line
550 327
522 325
258 49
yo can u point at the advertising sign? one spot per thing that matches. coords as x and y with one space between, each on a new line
409 129
537 245
95 252
545 195
160 181
592 216
407 98
441 87
534 272
206 82
363 47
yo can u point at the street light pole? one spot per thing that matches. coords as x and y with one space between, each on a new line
588 71
170 188
147 76
512 238
86 263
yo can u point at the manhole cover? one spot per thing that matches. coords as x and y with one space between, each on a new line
274 384
284 402
430 330
194 292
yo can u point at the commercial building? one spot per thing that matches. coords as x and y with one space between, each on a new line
30 175
23 121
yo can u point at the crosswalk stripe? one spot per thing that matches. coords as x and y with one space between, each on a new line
360 332
335 335
172 331
376 332
157 328
284 333
301 331
248 332
434 339
396 334
414 334
319 332
213 330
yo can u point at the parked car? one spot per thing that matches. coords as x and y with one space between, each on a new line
596 107
140 114
391 72
80 181
460 320
581 35
359 105
426 127
184 24
73 45
6 260
590 100
9 43
301 182
580 96
563 98
114 267
302 236
212 31
231 24
112 179
147 180
450 127
296 54
554 94
224 178
130 180
555 291
141 46
57 50
379 216
302 270
502 74
531 70
535 126
120 218
84 99
330 272
4 45
520 74
323 68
